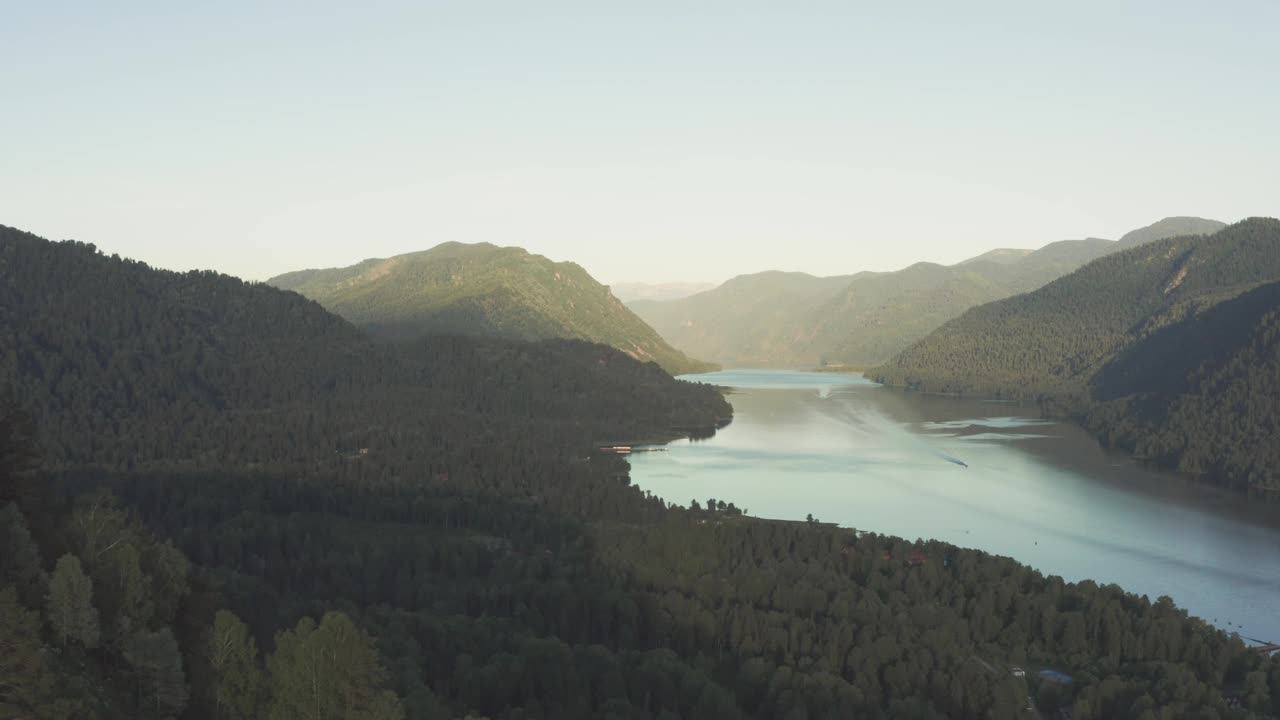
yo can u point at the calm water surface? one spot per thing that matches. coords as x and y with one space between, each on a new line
852 452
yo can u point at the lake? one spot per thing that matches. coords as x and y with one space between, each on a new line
977 474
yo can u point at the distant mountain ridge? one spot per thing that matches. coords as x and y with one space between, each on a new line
1153 348
483 290
1169 227
799 320
1055 338
628 292
750 320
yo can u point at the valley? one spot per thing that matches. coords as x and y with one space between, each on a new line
643 361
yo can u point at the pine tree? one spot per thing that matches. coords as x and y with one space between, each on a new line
386 706
26 682
18 454
70 604
20 564
157 664
1257 696
169 571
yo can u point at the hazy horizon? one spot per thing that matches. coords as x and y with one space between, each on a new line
658 145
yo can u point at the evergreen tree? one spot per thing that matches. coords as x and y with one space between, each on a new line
70 604
17 454
168 571
386 706
157 666
26 681
20 564
1256 695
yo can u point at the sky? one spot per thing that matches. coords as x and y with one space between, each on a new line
655 141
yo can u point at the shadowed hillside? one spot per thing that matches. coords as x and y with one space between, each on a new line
1161 335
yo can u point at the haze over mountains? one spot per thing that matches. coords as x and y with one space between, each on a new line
1167 348
483 290
627 292
775 319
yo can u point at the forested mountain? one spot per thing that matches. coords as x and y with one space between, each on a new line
1052 262
486 291
750 320
876 315
1154 347
1201 394
797 320
205 367
246 509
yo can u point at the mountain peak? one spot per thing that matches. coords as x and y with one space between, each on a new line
1169 227
485 290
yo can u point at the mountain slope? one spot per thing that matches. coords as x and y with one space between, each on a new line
1162 349
793 319
483 290
751 320
1053 261
1201 393
126 366
1054 339
876 316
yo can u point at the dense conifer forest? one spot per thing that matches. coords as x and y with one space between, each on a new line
219 501
1167 349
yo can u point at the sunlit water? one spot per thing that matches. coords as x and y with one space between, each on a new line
982 475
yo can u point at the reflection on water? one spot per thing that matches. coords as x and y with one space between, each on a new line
980 475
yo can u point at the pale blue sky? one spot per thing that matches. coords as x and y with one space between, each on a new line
646 141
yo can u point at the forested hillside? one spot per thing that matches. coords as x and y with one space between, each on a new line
797 320
486 291
749 321
1170 337
246 509
1201 394
876 315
